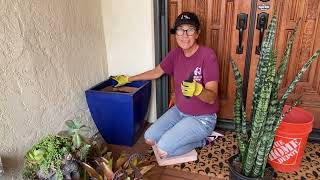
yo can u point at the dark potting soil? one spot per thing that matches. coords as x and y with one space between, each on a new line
122 89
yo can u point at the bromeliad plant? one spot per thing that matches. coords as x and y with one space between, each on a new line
255 142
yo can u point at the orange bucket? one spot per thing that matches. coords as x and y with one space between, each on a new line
290 140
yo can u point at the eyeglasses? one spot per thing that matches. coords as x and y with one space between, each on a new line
189 31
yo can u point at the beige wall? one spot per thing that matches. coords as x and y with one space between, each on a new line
128 27
50 52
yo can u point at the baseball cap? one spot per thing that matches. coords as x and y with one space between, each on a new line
186 18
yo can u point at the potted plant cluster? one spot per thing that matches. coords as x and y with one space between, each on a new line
72 155
255 140
56 156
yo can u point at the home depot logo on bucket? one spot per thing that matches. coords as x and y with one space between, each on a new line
285 150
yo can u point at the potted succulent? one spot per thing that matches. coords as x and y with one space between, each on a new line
72 155
255 141
57 156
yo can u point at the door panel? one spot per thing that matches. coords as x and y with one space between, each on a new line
306 43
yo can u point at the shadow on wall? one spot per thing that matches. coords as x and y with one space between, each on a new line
1 168
8 172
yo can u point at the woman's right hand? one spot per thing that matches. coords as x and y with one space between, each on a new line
172 101
120 79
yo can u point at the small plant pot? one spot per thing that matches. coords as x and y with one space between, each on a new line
234 170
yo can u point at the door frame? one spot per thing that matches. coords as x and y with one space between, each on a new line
161 49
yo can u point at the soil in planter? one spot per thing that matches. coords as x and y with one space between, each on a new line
122 89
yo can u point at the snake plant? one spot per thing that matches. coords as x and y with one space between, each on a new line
256 142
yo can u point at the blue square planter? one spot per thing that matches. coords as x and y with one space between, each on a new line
119 116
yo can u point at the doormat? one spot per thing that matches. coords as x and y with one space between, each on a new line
213 160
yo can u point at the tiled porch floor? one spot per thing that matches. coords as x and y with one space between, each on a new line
214 157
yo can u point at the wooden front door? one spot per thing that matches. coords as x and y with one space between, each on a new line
223 29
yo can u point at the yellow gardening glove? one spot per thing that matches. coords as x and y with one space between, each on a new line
121 80
190 89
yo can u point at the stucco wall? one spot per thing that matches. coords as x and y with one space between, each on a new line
129 32
50 52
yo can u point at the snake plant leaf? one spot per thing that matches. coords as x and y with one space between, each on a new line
261 114
238 110
285 59
266 46
257 170
298 77
271 134
263 86
277 123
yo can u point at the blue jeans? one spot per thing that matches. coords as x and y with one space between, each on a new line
177 133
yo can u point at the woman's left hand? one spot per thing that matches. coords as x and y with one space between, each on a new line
190 89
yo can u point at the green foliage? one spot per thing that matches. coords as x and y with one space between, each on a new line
78 134
46 155
266 115
76 130
46 159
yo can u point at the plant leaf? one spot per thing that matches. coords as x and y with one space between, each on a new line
239 114
145 169
76 139
106 170
64 133
263 87
102 159
92 172
70 124
108 155
121 160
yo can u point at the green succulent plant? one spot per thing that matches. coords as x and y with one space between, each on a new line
47 155
255 141
37 155
76 131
